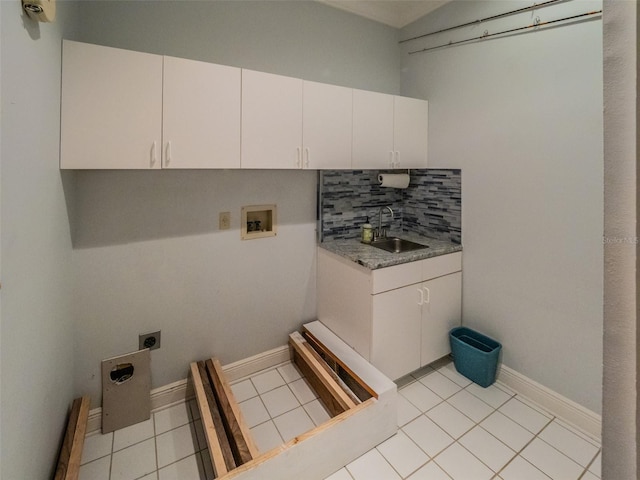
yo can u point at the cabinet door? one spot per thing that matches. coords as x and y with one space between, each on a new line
111 110
327 121
271 121
395 345
372 130
410 129
441 311
201 115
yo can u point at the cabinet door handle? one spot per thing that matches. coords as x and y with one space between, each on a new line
306 162
397 162
428 298
167 156
391 159
153 158
421 302
298 157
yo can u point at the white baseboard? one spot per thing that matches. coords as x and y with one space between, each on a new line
568 410
180 391
577 415
249 366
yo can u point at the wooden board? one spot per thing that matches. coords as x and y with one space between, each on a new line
334 397
351 379
242 444
68 467
332 373
215 449
214 407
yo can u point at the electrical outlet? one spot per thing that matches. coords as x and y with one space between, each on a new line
225 220
149 340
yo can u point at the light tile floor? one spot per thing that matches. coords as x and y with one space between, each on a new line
450 428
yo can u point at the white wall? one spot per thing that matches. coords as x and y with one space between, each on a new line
302 39
622 132
522 116
148 254
37 324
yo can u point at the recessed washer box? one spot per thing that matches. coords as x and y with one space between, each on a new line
258 221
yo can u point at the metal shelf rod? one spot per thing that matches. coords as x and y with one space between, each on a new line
493 17
488 35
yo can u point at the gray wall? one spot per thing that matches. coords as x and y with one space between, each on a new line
302 39
522 116
621 142
37 331
148 254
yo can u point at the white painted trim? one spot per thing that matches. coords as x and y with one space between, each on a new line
249 366
181 391
577 415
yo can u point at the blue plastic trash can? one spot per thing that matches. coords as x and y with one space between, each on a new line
475 355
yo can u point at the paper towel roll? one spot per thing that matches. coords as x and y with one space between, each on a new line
394 180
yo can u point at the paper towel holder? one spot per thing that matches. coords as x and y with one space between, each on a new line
394 180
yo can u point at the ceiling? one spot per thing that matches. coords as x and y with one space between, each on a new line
396 13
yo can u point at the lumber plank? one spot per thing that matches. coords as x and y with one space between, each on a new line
68 467
215 449
332 373
214 407
318 431
351 379
242 444
334 397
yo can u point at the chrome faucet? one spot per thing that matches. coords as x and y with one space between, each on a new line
380 233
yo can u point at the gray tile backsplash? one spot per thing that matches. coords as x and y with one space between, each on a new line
430 206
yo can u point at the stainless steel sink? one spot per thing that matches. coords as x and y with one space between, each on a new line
397 245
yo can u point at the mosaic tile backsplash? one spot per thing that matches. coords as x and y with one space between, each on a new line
430 206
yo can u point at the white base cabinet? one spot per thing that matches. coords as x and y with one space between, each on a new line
398 318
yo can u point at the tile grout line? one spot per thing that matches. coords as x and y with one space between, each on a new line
562 453
519 452
388 462
155 443
592 462
113 440
550 420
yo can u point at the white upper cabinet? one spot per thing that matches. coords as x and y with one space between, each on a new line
122 109
327 125
111 113
271 121
291 123
410 128
389 131
131 110
201 115
372 130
